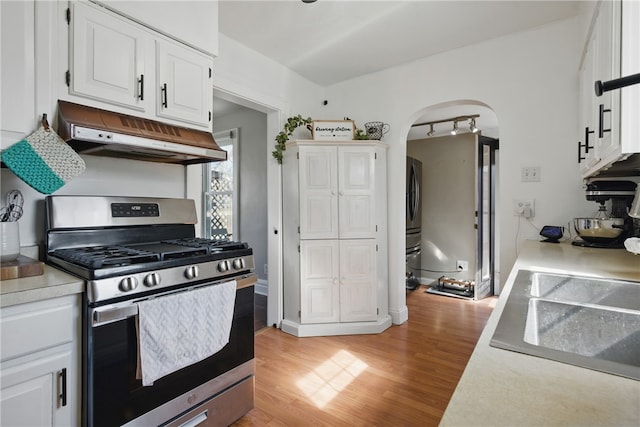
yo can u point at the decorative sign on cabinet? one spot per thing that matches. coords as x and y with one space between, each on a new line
335 242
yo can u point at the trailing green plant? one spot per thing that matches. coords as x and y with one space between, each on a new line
289 127
360 134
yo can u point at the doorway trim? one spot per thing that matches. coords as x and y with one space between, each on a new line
276 109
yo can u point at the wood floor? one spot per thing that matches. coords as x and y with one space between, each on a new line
402 377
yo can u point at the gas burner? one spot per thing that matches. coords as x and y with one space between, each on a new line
211 245
95 257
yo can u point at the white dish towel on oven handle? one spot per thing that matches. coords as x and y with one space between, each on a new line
178 330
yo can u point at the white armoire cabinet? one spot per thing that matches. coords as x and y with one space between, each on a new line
335 238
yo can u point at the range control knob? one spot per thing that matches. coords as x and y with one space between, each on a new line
191 272
152 280
128 284
223 266
238 264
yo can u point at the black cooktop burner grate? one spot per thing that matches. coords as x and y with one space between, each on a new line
100 257
95 257
211 245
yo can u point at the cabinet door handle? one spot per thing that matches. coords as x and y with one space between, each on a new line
141 87
163 92
587 147
580 157
601 129
62 375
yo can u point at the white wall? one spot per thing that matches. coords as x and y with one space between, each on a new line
448 195
530 80
252 152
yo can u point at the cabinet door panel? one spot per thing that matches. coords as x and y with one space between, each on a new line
358 297
356 190
319 294
29 403
108 58
17 62
607 67
318 196
31 388
185 92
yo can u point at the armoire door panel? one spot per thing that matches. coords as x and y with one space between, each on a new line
318 193
319 292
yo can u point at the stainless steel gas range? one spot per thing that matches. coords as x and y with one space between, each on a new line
132 250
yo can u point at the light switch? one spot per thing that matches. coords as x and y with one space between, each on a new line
531 174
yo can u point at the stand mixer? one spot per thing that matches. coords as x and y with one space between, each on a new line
606 230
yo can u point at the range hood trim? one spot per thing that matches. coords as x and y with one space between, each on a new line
82 133
95 131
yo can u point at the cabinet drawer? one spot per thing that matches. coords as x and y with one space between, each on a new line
27 328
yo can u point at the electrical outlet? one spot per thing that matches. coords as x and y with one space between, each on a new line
462 265
531 174
523 207
266 269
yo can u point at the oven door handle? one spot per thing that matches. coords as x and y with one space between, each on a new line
120 311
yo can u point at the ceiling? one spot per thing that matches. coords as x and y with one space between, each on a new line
330 41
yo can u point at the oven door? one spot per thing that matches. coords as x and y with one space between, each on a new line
113 395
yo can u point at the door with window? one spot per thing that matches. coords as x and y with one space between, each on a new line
221 186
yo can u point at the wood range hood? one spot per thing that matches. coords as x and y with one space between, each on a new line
106 133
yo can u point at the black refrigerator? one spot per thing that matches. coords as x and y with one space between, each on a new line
414 222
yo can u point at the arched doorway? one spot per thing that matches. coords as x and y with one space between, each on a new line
452 247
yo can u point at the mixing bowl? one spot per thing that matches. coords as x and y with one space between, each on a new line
595 230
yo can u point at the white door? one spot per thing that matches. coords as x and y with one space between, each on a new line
356 183
319 289
185 91
318 193
358 293
108 58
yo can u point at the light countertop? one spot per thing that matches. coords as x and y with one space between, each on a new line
53 283
505 388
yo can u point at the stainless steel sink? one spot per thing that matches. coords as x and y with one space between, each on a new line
592 323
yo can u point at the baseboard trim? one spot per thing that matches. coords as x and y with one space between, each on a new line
400 316
262 287
332 329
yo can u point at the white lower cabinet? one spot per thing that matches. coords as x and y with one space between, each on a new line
335 238
337 281
39 373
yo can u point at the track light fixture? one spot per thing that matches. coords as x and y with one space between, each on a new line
472 125
455 130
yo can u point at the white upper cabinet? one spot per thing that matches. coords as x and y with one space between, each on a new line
108 58
630 95
184 78
356 192
318 192
117 61
18 67
608 123
337 192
